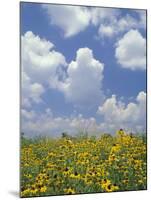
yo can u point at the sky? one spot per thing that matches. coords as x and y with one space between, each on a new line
83 69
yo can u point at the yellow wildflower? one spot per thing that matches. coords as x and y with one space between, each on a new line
43 189
69 191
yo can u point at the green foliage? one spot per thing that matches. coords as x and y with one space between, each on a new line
82 164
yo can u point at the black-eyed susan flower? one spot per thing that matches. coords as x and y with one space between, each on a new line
69 191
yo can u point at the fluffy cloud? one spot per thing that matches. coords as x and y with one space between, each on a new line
28 115
42 65
70 19
117 114
84 79
117 24
40 62
106 31
106 20
131 51
39 59
103 15
31 92
45 124
75 19
109 21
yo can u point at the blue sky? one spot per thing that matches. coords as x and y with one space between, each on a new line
113 39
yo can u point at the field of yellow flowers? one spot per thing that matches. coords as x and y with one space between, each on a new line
83 165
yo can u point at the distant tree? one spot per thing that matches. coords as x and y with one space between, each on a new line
131 134
22 134
64 135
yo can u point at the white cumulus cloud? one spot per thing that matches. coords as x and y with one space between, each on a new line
131 51
106 31
70 19
45 124
39 59
117 114
109 22
103 15
31 92
40 63
83 84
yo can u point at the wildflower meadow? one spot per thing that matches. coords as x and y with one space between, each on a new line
76 165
